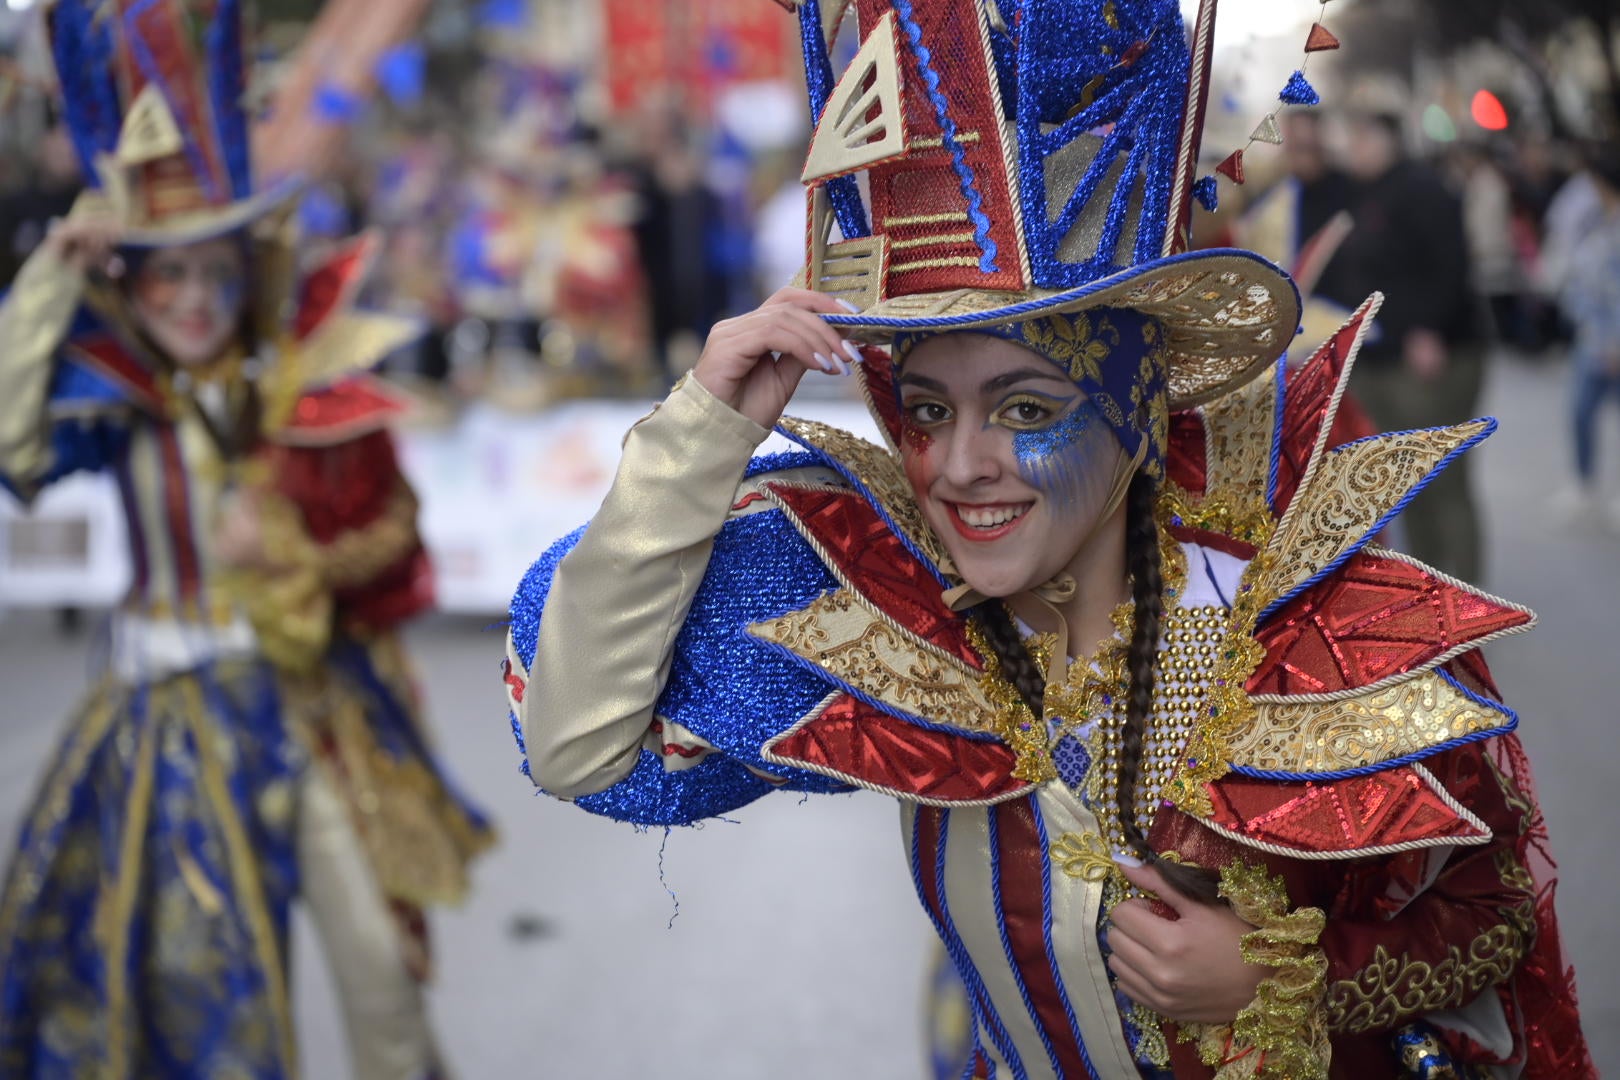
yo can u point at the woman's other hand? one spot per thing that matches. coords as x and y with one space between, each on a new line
1190 968
85 243
239 533
754 362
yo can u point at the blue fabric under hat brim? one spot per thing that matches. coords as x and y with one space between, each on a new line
1227 314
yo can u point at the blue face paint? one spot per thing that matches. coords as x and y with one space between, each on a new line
1065 460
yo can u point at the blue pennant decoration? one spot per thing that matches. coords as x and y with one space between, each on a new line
1207 194
402 73
507 14
335 105
1299 92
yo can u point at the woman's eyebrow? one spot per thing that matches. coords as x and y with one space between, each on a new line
1006 379
922 381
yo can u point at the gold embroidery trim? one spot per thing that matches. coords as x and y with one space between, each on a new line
1349 492
1239 430
838 634
1392 989
1283 1032
1324 736
1084 856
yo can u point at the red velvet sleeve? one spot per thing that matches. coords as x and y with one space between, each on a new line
361 511
1394 956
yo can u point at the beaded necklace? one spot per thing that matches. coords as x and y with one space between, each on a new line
1093 693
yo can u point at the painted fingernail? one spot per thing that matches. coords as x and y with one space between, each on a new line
847 306
853 351
1124 859
826 364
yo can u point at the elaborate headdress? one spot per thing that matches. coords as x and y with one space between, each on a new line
154 94
1027 158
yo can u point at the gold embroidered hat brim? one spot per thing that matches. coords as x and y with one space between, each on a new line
1227 314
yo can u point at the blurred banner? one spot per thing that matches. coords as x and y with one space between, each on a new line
699 48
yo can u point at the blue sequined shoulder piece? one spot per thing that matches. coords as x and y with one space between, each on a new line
724 686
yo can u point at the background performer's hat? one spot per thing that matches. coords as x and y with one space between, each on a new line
154 93
1025 158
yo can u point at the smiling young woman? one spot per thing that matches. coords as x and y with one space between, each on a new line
1188 786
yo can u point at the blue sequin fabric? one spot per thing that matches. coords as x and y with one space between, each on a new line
724 686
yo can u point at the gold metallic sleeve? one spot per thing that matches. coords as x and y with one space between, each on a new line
620 596
34 320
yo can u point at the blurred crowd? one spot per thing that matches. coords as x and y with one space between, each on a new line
555 248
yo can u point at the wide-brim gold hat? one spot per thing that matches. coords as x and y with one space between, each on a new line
967 172
1226 314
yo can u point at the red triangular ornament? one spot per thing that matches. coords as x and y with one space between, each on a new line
1232 167
1321 39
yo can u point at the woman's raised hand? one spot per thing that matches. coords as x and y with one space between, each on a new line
754 362
86 242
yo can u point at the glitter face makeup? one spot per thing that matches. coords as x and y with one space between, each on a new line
188 300
1061 459
1009 460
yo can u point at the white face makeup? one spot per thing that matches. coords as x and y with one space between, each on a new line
189 299
1010 462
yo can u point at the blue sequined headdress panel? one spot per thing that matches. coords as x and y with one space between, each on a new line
1099 89
1114 354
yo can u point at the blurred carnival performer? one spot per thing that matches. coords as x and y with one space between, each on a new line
1590 296
1424 362
1195 781
256 737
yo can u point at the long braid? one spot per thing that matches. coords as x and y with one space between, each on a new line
1016 664
1142 547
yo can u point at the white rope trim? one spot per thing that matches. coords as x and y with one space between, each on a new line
768 753
1191 124
872 408
1009 154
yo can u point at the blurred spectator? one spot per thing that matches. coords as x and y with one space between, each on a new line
1425 365
1301 222
47 192
1495 269
678 221
1575 210
1591 297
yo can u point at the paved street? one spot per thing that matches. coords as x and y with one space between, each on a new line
797 951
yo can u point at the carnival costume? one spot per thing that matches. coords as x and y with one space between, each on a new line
1324 734
256 737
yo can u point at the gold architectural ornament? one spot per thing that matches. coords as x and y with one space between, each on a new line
850 136
851 270
1314 736
149 132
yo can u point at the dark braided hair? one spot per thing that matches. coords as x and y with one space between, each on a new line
1017 664
1142 554
1147 593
